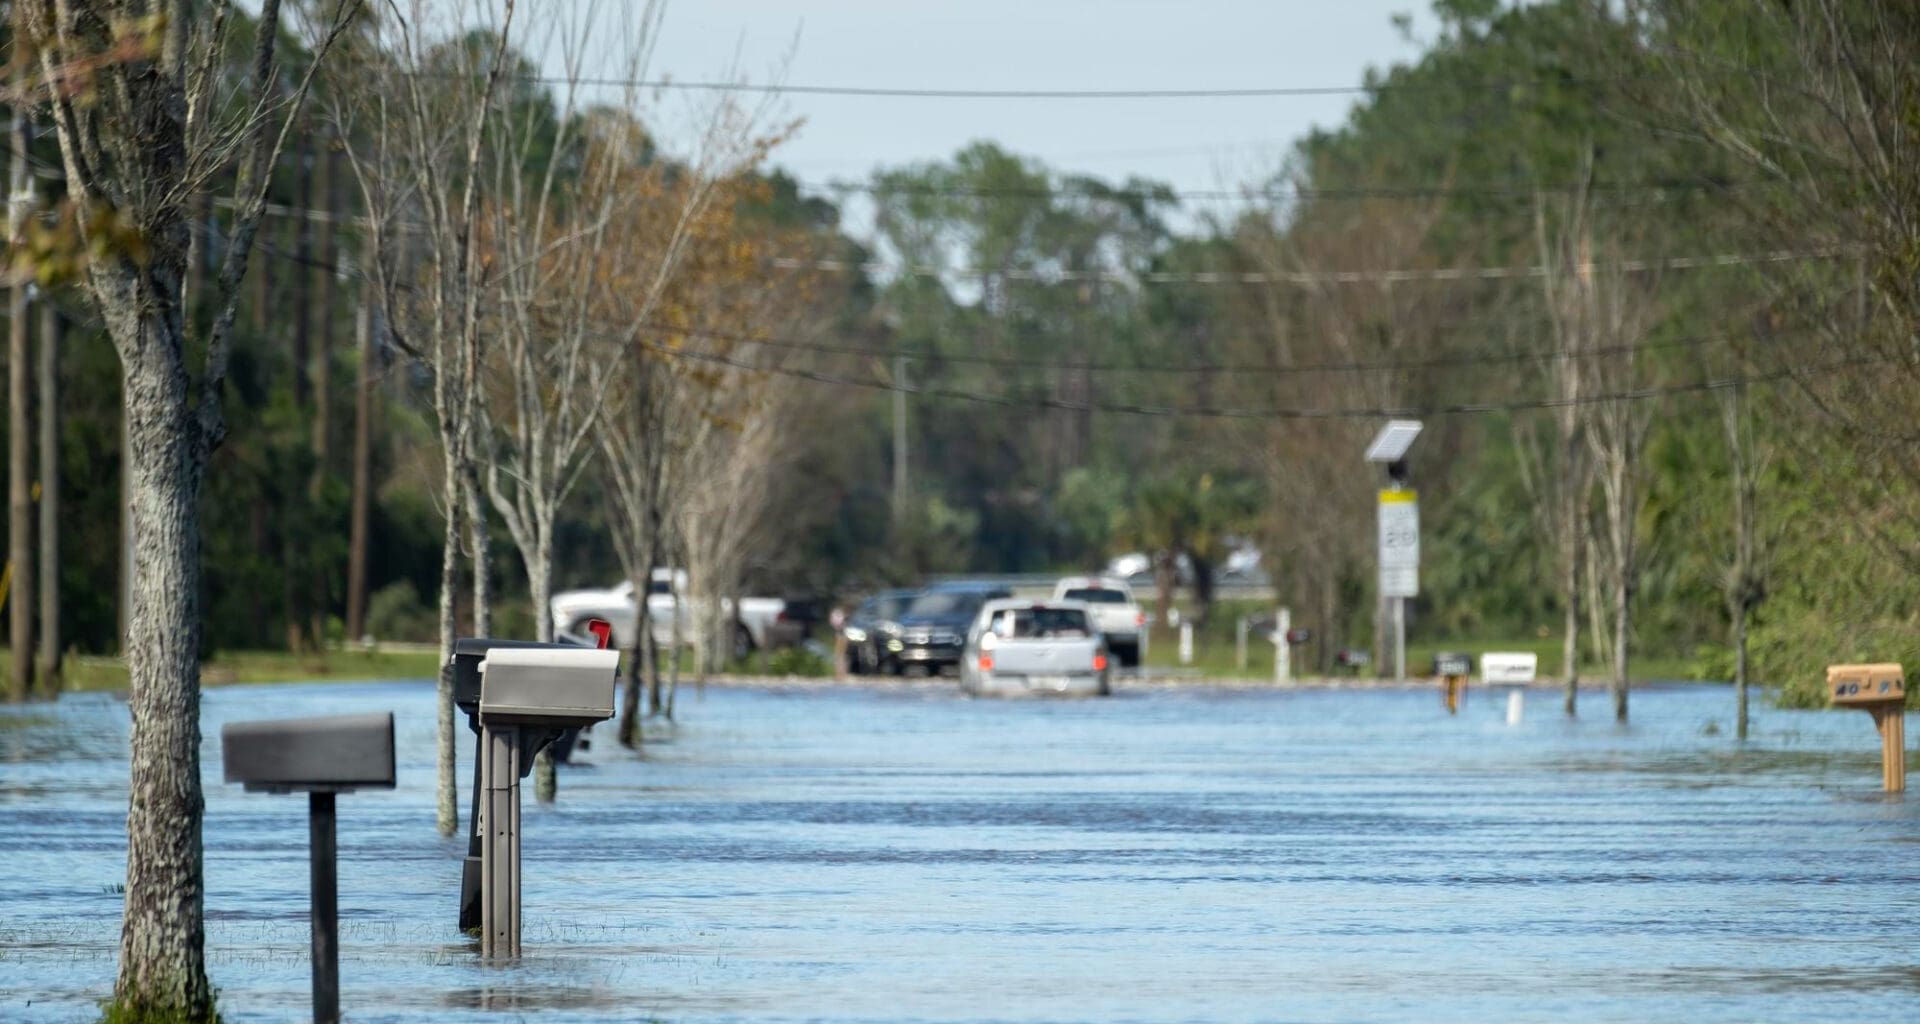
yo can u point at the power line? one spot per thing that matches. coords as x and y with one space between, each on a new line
1301 278
1238 369
1244 413
1305 278
1018 362
1659 189
916 92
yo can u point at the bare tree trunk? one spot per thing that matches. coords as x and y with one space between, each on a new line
1740 673
162 941
362 470
50 640
20 437
481 550
153 123
1622 627
546 781
446 807
1572 528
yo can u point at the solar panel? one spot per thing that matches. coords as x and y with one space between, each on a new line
1391 444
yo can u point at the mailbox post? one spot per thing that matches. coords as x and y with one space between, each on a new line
319 757
1516 672
468 654
528 695
1453 670
1880 690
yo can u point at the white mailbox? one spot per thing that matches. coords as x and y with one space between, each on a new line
1509 668
568 686
1514 670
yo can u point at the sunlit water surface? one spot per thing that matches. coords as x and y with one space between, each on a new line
910 855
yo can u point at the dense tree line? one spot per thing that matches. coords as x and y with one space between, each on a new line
1549 136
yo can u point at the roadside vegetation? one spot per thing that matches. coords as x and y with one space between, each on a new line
326 301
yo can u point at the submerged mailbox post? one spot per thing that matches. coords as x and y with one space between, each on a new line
1453 670
319 757
468 654
1513 670
1880 690
528 694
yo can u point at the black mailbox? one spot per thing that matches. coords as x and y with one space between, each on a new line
334 754
1451 664
319 757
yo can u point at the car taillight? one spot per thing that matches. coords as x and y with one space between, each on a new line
986 663
1099 661
1139 618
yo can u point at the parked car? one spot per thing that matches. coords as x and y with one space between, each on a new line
872 624
758 621
1115 613
1017 648
934 626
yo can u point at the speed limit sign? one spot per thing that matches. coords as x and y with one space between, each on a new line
1399 544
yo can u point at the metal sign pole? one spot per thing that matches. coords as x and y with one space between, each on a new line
1400 640
326 908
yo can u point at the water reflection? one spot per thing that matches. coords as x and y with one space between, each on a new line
904 854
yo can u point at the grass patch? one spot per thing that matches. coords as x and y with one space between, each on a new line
88 673
1214 654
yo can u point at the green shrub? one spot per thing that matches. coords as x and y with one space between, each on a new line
786 661
395 612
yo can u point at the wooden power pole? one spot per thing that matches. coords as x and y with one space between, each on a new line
20 437
50 640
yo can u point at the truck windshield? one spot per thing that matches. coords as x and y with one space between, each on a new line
1041 624
1096 595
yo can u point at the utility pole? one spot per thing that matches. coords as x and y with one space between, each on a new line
320 600
362 468
20 451
899 437
49 494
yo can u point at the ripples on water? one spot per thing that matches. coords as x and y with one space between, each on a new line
907 854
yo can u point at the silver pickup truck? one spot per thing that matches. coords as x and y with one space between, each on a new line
1115 613
1046 648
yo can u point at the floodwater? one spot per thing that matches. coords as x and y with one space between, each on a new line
906 854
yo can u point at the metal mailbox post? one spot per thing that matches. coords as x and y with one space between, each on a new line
528 694
319 757
1514 670
1880 690
468 653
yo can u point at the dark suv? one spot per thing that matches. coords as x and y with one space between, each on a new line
936 623
870 627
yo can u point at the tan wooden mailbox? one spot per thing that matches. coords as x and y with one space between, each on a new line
1881 690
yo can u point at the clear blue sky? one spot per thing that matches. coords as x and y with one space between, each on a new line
1041 44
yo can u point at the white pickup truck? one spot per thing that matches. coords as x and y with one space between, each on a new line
1020 648
759 622
1114 611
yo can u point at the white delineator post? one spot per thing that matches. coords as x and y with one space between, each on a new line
1282 647
1186 643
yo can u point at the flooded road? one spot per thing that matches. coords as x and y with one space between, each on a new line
906 854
